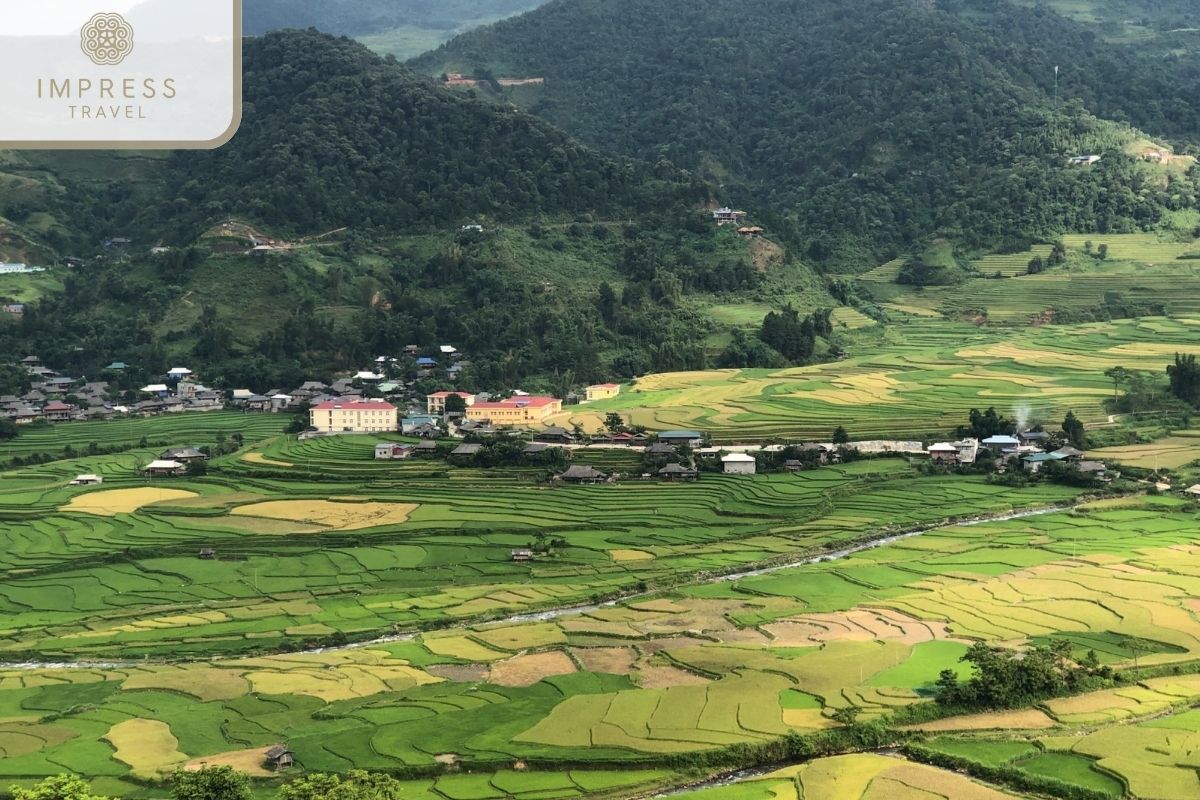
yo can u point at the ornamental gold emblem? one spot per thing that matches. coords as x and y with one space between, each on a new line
107 39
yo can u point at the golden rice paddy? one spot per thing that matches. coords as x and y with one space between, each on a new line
251 762
527 670
259 458
339 516
146 745
630 555
111 502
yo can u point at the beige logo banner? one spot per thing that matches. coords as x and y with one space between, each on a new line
121 74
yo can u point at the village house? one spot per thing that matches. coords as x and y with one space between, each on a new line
968 450
739 464
1033 438
179 373
555 435
163 468
388 451
1085 161
516 410
661 449
279 757
207 554
602 391
426 432
426 448
825 453
943 453
690 438
1033 463
466 451
57 412
678 472
1002 444
623 437
436 402
727 216
367 416
522 556
87 480
582 474
410 424
750 231
184 455
16 309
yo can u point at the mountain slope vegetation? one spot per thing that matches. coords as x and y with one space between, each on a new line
881 122
337 136
582 264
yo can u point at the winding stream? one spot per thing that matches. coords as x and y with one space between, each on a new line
569 611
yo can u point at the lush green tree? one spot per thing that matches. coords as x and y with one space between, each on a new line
60 787
8 429
354 785
614 421
986 424
1185 378
1118 375
840 436
456 404
1073 428
1008 678
211 783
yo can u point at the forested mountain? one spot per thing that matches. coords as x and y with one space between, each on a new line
586 266
878 122
335 136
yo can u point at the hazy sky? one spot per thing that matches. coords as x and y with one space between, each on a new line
55 17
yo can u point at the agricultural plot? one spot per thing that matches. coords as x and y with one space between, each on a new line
923 383
1141 269
1175 451
166 431
854 777
699 668
401 553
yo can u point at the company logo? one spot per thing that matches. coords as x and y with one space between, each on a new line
107 39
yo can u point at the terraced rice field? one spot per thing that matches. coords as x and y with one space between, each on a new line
397 548
855 777
1178 450
165 431
922 384
1010 265
1141 269
689 670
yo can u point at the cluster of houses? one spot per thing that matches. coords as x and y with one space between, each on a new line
48 393
1028 451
